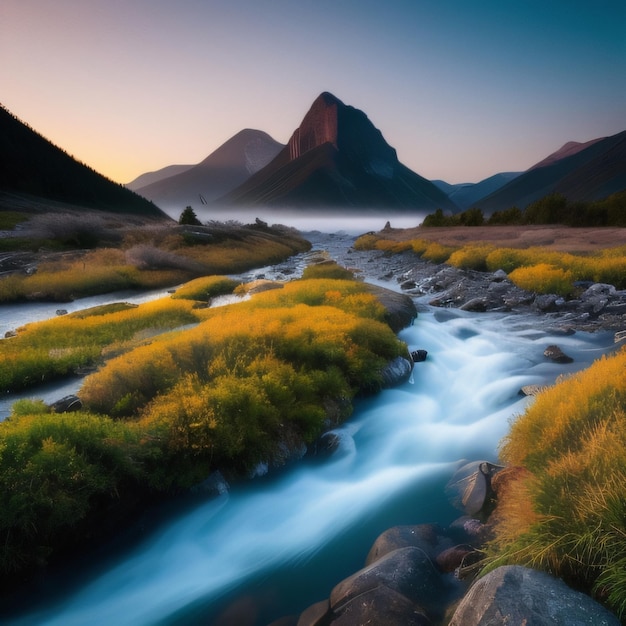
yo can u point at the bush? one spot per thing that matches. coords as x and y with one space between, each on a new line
205 288
58 473
471 257
543 278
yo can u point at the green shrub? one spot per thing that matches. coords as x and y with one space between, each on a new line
205 288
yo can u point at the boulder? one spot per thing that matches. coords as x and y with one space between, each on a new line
458 557
316 615
531 390
419 356
517 595
400 309
554 353
67 404
428 537
407 571
396 372
469 489
380 605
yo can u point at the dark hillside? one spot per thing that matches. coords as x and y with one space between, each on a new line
30 164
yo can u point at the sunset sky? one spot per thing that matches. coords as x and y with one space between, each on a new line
461 89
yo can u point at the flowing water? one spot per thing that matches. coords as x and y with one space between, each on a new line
276 545
280 543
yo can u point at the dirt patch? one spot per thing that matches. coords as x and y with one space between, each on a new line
561 238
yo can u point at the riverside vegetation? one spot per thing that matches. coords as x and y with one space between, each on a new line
565 510
169 405
235 386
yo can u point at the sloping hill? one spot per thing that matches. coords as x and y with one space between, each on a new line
337 158
34 166
465 195
143 180
231 164
580 172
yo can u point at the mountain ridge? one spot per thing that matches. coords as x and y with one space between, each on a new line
337 158
33 167
223 169
587 172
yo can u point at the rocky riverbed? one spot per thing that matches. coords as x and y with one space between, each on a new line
424 574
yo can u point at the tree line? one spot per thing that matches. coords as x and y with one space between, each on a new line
552 209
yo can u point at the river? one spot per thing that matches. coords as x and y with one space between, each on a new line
280 543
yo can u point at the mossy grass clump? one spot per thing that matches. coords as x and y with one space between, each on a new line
240 385
207 287
567 514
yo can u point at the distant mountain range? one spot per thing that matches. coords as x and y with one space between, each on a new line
336 158
36 169
178 186
579 171
466 195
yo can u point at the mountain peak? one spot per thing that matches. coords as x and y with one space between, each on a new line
337 157
320 125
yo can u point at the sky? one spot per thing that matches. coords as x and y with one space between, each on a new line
462 90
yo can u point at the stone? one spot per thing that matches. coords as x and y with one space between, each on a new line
469 489
419 356
517 595
554 353
458 557
531 390
499 275
67 404
428 537
316 615
61 311
380 605
396 372
407 571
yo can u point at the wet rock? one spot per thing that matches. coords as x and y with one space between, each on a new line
429 538
546 302
531 390
469 489
9 334
407 571
61 311
400 308
396 372
67 404
326 445
419 356
476 305
518 595
380 605
214 485
554 353
317 614
457 558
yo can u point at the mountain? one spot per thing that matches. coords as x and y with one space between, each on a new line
152 177
337 158
465 195
33 166
231 164
579 171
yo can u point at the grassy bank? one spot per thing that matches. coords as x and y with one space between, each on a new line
567 513
78 258
240 386
534 268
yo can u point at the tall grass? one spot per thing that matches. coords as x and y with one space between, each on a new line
573 442
535 269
